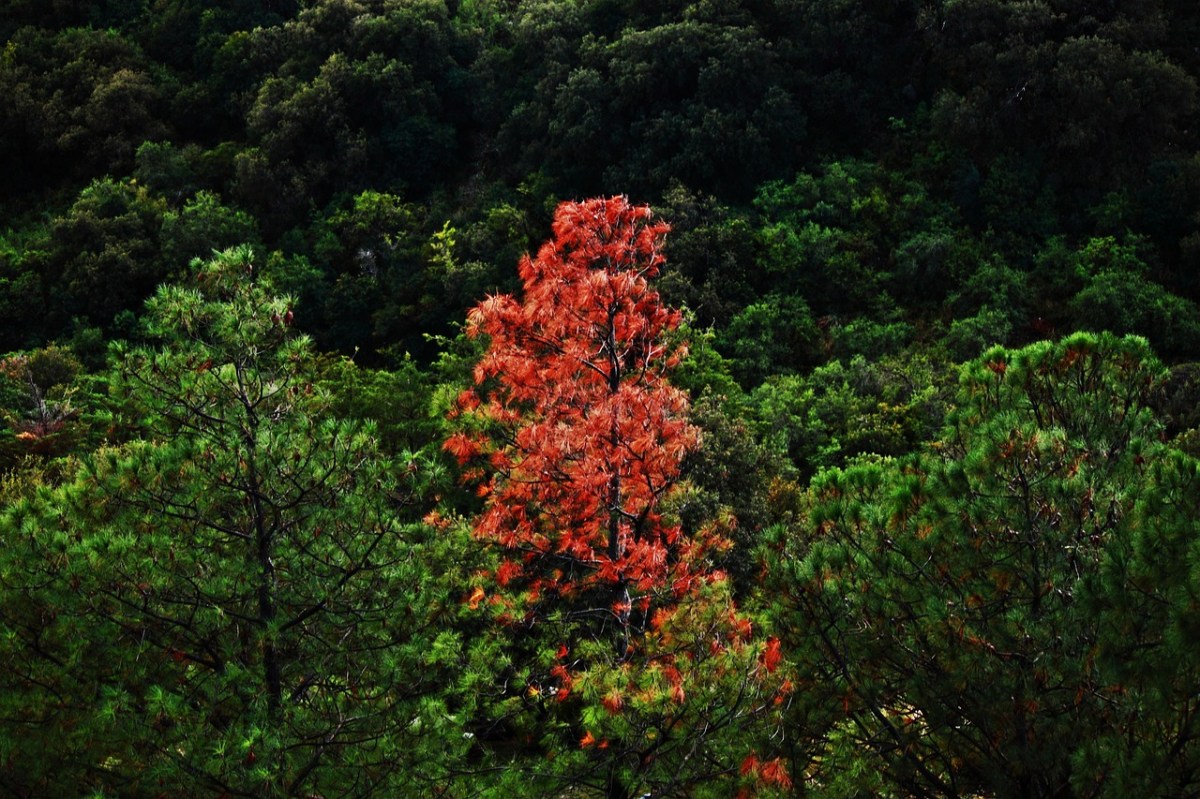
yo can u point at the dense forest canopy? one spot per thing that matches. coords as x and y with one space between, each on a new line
599 398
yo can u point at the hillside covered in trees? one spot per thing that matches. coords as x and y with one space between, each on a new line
613 398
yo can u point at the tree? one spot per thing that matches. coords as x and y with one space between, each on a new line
1119 293
355 94
36 412
203 225
80 101
105 253
886 406
1001 613
576 439
232 602
706 104
1080 95
577 372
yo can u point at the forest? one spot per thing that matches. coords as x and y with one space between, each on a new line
600 398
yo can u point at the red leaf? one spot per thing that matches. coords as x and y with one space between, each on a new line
613 701
774 772
772 655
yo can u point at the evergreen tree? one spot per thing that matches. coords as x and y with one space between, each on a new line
1004 613
231 603
624 646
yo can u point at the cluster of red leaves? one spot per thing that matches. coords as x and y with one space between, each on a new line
772 655
767 772
576 434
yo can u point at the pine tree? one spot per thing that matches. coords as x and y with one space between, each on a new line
631 649
1003 613
232 602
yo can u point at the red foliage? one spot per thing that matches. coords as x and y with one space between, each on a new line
584 434
613 701
769 772
774 772
576 438
772 654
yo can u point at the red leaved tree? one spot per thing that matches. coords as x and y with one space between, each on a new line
575 439
586 434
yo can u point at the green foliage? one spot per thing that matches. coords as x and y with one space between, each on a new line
845 409
703 103
1084 95
352 95
869 338
1144 598
853 237
705 371
392 273
711 256
774 335
729 477
36 406
238 598
1118 295
105 255
397 401
992 305
854 61
167 169
499 238
969 336
79 102
974 617
21 256
934 259
203 226
1178 398
699 687
860 192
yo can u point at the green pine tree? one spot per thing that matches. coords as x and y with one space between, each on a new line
238 600
1010 612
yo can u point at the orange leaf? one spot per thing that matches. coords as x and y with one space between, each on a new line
774 772
772 655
